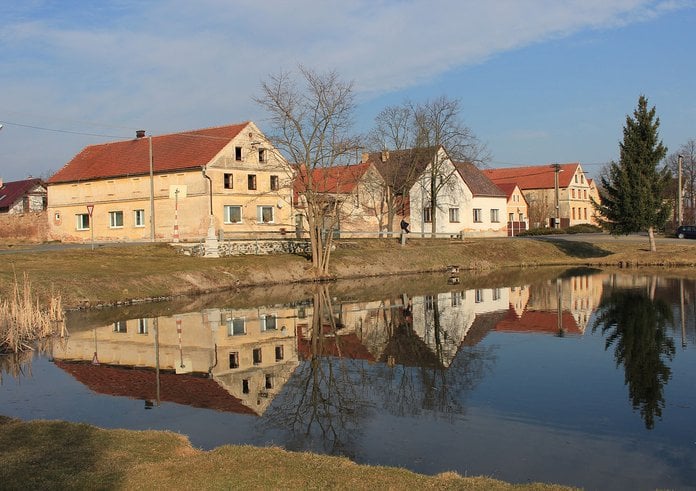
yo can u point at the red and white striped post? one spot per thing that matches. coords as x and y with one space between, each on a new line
176 215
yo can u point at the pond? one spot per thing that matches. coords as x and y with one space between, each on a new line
576 377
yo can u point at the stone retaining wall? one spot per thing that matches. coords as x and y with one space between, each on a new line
251 247
25 227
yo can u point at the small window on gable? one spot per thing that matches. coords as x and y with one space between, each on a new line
237 153
262 154
274 183
228 181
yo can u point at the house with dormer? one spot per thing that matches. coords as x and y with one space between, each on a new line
179 186
552 191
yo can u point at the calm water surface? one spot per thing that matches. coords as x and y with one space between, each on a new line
579 378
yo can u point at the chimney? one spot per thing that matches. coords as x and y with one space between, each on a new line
365 157
140 133
385 155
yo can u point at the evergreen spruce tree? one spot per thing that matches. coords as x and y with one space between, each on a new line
633 196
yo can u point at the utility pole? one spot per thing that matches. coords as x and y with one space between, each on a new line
152 190
557 170
680 207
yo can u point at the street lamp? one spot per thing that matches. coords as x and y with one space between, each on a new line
557 170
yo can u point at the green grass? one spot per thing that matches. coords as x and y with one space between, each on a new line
61 455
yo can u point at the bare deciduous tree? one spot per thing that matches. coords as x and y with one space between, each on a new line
416 132
311 121
688 153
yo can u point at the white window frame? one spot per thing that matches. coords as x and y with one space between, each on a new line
478 215
259 213
265 322
82 221
114 219
142 326
495 215
139 218
231 326
427 215
227 213
454 215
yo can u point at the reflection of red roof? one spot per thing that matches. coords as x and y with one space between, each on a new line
177 151
538 321
142 384
341 346
533 177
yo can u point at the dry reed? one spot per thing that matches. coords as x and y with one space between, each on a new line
23 320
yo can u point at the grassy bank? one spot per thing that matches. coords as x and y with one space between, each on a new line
60 455
108 275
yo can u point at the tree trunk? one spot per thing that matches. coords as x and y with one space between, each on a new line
651 236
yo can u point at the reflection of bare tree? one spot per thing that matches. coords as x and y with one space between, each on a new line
18 364
635 324
419 378
321 403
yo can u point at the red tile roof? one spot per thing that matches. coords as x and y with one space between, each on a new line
338 179
176 151
533 177
142 384
478 183
340 346
11 192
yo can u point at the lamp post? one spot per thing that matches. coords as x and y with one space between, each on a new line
680 207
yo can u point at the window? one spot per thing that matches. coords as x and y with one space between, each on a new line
237 153
429 302
245 386
584 193
521 217
453 215
576 178
257 355
262 154
120 326
456 298
511 217
269 381
478 296
279 353
115 219
478 216
82 221
496 294
495 215
142 326
573 209
228 182
139 218
234 359
269 322
233 214
236 326
573 193
585 213
427 215
274 183
251 182
582 178
264 214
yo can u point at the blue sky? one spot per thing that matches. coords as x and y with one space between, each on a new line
540 81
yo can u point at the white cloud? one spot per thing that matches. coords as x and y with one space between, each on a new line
180 64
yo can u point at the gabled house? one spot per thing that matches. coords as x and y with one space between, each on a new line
24 196
517 208
352 195
226 179
552 191
487 203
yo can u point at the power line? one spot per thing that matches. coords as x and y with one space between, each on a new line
56 130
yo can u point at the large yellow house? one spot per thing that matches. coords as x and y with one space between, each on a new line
180 186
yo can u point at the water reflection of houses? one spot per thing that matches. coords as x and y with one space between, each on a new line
250 353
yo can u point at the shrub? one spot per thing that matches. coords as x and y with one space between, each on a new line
541 231
584 228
